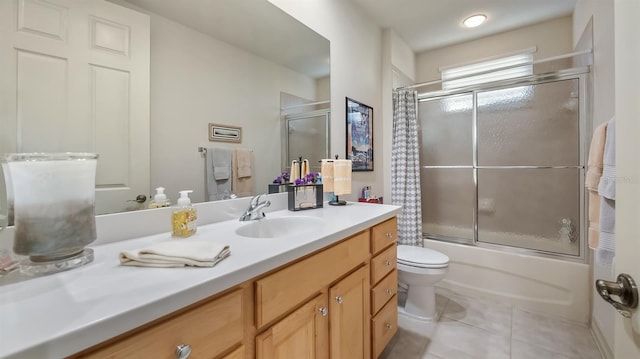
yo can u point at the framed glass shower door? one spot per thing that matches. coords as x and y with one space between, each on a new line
447 176
504 166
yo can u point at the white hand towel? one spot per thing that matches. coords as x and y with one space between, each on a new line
176 253
594 172
607 190
342 177
244 162
327 175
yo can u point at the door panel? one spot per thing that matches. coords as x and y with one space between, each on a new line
76 79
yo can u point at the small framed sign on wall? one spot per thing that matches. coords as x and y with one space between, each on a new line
359 135
225 133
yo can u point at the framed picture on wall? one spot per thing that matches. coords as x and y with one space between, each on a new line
359 135
225 133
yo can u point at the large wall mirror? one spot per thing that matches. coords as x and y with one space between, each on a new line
207 61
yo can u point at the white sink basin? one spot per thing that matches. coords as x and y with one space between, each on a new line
279 227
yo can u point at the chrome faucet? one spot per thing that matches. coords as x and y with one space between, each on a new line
255 209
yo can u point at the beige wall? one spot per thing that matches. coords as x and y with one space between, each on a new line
600 13
196 80
551 37
355 72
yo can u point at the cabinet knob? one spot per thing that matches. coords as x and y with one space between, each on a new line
339 299
183 351
324 311
387 262
389 291
389 235
388 325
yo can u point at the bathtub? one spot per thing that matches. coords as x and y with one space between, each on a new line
537 284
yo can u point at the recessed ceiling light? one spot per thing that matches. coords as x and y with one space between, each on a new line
474 20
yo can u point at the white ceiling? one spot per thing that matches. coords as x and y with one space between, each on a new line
429 24
256 26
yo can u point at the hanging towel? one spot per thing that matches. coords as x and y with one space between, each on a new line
341 177
326 171
218 172
607 191
295 170
594 172
241 186
176 253
244 163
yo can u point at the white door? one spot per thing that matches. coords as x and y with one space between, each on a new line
75 77
627 82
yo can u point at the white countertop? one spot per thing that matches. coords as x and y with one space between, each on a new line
58 315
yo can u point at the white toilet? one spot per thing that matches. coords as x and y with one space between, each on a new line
421 268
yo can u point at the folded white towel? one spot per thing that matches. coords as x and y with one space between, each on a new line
176 253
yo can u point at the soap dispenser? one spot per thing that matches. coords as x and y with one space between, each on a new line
159 199
184 216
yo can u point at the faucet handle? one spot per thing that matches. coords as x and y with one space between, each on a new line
256 199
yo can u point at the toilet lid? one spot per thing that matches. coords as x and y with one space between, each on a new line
421 257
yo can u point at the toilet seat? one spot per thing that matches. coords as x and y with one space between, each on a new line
421 257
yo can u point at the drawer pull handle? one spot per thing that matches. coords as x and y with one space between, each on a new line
388 325
389 235
324 311
387 262
339 299
389 291
183 351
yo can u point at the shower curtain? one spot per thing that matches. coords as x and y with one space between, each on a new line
405 167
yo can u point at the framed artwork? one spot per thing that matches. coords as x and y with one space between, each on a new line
359 135
225 133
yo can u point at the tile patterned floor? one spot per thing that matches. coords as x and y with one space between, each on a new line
471 328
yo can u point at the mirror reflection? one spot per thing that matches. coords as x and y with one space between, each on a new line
159 72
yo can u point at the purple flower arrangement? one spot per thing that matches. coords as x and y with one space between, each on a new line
282 178
310 178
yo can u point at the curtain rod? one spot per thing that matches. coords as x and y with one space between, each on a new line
548 59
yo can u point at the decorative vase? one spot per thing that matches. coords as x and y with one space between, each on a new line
51 198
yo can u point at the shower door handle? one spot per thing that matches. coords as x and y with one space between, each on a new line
625 289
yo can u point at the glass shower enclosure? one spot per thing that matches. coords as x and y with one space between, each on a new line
307 137
503 164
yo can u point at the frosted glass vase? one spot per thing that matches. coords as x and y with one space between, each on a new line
51 197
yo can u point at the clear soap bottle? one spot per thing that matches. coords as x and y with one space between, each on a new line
160 199
184 217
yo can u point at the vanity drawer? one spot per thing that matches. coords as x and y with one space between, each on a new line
383 291
384 234
236 354
281 291
210 329
384 326
383 264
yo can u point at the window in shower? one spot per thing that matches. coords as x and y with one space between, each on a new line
505 169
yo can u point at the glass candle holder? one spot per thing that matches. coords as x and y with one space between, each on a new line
51 198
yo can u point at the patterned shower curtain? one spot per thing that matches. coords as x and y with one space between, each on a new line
405 167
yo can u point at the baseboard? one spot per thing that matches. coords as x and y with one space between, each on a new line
605 350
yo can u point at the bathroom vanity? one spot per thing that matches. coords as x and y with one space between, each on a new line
329 291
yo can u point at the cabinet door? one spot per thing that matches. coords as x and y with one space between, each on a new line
349 316
302 334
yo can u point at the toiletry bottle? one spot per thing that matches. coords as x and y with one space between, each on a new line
159 199
184 217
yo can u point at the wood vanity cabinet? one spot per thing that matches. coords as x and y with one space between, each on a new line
335 323
339 302
384 285
213 328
